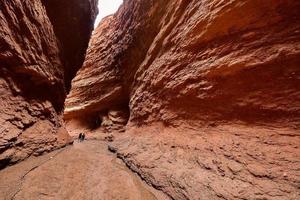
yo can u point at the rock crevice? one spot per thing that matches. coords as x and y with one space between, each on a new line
213 94
36 68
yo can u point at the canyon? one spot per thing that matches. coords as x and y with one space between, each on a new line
200 99
37 65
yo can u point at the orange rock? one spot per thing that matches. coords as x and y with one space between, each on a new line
36 69
213 91
189 60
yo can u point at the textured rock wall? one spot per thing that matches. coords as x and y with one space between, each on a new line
213 89
116 50
32 74
217 62
194 60
73 23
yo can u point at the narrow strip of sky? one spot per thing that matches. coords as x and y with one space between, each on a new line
107 7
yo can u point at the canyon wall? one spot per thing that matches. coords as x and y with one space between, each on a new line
194 60
213 91
42 45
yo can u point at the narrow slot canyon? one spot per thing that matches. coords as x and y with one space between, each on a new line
184 100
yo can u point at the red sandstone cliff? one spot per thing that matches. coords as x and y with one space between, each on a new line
194 60
213 89
42 45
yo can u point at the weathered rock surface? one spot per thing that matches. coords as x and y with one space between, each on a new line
73 24
222 78
230 161
34 60
194 60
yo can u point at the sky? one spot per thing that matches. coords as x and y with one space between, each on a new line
107 7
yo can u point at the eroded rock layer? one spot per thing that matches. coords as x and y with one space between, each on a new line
213 89
32 75
192 58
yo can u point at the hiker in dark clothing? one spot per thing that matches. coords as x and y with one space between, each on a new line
79 137
83 136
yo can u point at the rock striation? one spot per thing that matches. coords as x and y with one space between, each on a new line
169 59
213 90
36 66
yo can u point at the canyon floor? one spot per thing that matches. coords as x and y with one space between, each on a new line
84 170
216 162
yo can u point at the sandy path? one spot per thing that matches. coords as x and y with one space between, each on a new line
83 171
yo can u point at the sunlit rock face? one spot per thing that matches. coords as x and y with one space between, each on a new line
34 60
213 91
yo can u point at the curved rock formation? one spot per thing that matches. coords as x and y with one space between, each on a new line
34 59
213 90
117 48
186 58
